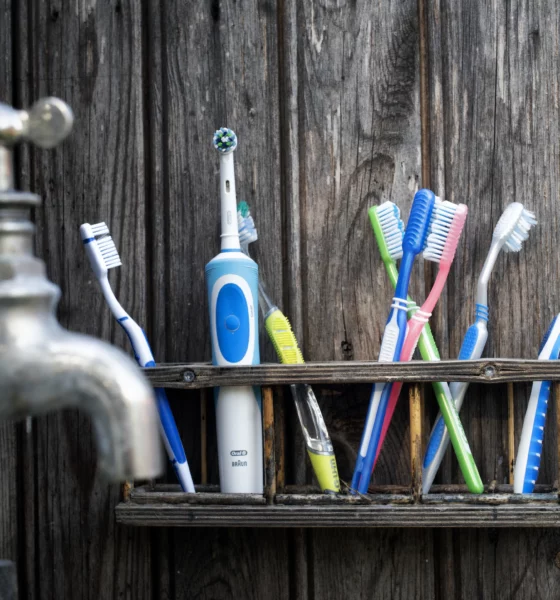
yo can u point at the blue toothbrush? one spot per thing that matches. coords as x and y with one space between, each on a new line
528 459
102 253
395 330
232 281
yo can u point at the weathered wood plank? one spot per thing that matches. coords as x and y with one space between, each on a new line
200 375
211 65
10 541
493 87
544 514
90 55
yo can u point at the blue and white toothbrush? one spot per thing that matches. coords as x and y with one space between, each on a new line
102 253
413 243
232 280
509 234
528 459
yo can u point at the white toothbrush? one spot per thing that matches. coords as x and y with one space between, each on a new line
509 234
102 253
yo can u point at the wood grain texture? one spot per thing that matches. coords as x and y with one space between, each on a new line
494 371
493 70
211 65
10 532
89 54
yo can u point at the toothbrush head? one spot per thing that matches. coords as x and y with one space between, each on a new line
446 232
100 248
418 225
246 225
388 229
513 227
225 140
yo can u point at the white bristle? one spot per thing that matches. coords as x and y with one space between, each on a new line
389 217
109 251
520 231
247 229
100 229
439 230
437 203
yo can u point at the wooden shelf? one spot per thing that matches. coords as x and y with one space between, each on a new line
174 509
202 375
385 506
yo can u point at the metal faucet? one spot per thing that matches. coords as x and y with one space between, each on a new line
44 367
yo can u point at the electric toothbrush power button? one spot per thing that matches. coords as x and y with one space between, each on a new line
232 323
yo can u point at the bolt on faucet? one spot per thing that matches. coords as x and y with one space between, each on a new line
44 367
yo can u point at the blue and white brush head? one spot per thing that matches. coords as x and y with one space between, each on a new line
444 212
513 227
246 225
389 216
225 140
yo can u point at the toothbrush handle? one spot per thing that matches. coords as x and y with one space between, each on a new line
393 338
472 348
528 458
169 431
172 441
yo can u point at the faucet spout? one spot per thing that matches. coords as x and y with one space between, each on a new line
75 371
43 367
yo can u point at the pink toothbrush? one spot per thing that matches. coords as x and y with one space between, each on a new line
441 247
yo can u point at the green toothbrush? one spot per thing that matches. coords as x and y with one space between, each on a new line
386 218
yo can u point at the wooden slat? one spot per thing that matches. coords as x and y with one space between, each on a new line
200 375
492 69
544 514
511 431
10 534
416 455
89 55
269 444
211 65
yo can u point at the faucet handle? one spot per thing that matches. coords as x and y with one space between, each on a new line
45 124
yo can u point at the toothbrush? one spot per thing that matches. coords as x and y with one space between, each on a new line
395 330
389 230
442 245
510 232
102 253
232 281
317 439
529 453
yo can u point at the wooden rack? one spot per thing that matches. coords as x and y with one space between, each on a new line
384 506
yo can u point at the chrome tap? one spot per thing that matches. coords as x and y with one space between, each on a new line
44 367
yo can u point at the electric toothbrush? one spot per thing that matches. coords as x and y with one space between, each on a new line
232 281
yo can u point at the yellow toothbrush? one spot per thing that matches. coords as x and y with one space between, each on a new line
317 439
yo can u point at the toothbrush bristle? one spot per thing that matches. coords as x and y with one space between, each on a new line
225 140
437 203
446 231
389 217
520 232
245 224
106 246
100 229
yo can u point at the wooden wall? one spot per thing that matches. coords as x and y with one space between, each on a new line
338 106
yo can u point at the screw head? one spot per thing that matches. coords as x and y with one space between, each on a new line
489 372
189 376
